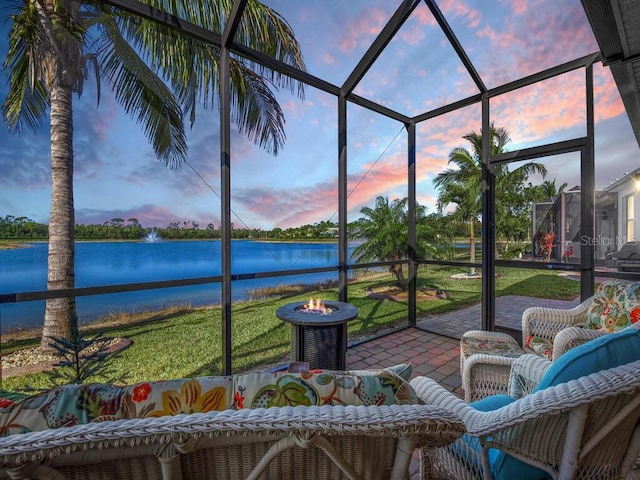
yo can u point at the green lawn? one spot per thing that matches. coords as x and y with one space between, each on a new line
188 342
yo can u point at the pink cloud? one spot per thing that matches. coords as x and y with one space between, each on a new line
412 36
367 24
534 39
518 7
328 59
471 16
606 96
423 15
287 207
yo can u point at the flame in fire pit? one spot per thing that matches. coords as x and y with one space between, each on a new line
315 307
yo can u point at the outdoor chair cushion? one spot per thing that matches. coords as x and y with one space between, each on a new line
615 305
603 353
375 387
64 406
71 405
542 347
503 466
172 397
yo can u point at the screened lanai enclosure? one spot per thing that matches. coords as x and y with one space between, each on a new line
391 101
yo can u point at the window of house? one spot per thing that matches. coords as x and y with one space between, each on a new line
630 220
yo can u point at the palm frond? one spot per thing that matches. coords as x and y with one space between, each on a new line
27 100
143 94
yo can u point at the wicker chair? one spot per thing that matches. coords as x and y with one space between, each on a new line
562 328
486 357
551 332
548 427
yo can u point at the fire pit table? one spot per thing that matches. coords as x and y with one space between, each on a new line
318 332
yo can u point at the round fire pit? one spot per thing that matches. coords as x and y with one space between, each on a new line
319 337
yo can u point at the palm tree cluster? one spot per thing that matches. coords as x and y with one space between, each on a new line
462 185
383 229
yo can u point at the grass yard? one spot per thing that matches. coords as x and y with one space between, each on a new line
187 342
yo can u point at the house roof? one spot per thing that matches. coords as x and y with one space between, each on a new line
616 25
618 182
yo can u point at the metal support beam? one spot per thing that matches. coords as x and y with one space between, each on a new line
233 22
587 199
393 25
465 102
533 153
546 74
168 20
381 109
411 236
488 225
342 199
283 68
457 46
225 207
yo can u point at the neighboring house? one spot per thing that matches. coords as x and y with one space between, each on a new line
621 211
617 221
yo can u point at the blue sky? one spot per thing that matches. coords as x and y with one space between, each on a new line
117 175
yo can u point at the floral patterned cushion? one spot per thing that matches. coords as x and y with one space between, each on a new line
381 387
498 346
78 404
64 406
172 397
540 346
616 305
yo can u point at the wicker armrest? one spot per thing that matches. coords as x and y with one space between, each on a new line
546 322
484 375
552 400
526 373
571 337
432 393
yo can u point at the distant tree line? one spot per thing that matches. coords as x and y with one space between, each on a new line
23 228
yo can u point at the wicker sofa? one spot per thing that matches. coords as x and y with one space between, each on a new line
319 425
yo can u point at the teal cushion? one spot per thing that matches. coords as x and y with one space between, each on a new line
503 466
602 353
494 402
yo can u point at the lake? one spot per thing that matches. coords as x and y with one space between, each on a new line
113 263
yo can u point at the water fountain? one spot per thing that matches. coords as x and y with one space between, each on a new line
152 236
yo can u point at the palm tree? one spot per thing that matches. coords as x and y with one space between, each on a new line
462 185
549 189
158 76
384 230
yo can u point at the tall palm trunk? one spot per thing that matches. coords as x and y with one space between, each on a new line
60 312
472 245
399 274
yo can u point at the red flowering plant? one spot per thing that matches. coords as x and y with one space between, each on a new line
544 245
547 245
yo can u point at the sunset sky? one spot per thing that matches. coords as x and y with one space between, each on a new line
117 175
